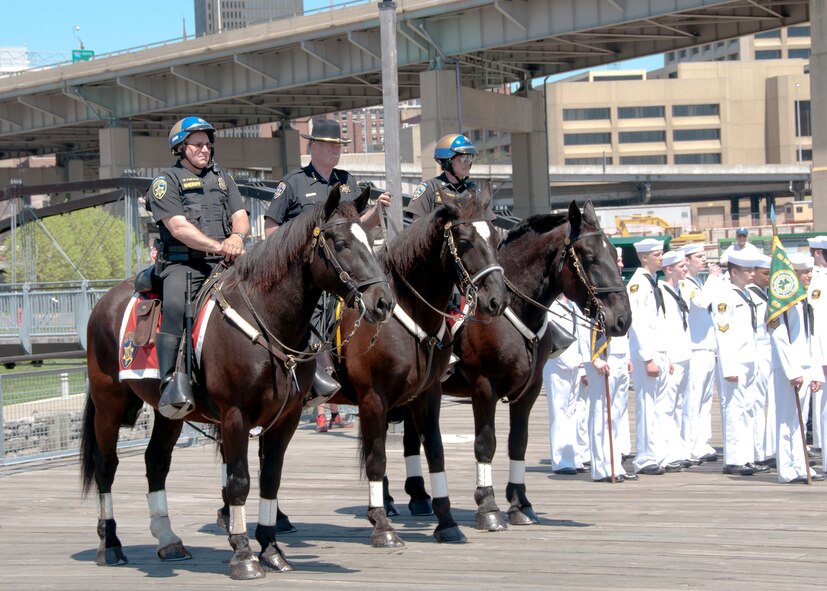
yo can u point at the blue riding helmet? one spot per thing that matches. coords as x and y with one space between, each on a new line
451 145
181 131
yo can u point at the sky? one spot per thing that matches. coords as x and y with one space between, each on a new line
112 25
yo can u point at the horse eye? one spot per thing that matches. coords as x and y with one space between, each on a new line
464 244
340 245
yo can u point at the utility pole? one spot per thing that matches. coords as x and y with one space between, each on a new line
390 97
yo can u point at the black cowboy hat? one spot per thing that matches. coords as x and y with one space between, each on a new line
325 130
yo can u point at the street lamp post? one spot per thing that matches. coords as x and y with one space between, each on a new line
798 130
76 31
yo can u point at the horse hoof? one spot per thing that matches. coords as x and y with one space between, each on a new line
450 535
391 510
491 521
421 508
246 569
111 557
524 516
174 552
283 526
222 520
274 561
386 539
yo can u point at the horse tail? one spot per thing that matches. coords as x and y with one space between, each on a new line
88 447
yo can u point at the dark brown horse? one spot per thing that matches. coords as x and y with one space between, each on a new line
247 380
451 246
542 257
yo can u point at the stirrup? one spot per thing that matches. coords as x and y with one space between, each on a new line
176 400
450 371
322 389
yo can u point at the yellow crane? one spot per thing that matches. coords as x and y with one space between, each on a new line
645 225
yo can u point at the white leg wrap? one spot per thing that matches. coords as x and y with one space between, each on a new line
267 511
238 519
439 485
376 496
413 466
105 506
484 477
223 475
159 524
516 471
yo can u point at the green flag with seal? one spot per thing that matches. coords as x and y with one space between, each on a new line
785 290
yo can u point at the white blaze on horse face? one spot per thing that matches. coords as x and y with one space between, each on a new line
516 471
360 235
267 512
483 230
484 477
413 466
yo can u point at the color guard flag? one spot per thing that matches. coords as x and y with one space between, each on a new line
785 290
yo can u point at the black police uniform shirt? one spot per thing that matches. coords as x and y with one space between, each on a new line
305 187
207 200
426 195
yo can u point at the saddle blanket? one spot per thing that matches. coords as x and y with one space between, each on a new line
141 363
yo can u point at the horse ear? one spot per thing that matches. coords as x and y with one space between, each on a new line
485 197
590 215
362 200
450 203
332 201
575 219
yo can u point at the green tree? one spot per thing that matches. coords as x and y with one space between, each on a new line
92 238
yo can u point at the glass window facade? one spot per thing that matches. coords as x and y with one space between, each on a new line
714 158
582 139
639 112
695 110
695 135
592 114
638 137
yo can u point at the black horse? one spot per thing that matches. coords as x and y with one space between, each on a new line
542 257
255 371
454 245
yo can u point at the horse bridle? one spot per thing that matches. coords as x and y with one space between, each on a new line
593 291
354 294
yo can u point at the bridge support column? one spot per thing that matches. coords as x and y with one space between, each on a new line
755 209
114 152
529 163
735 211
818 104
440 114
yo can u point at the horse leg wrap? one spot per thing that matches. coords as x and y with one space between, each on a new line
376 496
159 524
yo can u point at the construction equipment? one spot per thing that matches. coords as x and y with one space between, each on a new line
651 225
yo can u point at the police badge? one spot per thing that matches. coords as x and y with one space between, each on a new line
221 183
344 189
128 351
159 188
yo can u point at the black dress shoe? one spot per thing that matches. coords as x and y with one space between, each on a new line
618 478
625 457
674 467
566 471
651 470
769 462
738 470
691 462
756 467
581 470
629 476
710 457
803 479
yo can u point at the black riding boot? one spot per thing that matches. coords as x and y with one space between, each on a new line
324 386
176 392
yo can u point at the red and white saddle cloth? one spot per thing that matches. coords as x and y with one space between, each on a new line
140 363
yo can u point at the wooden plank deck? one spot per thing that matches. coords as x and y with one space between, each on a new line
696 529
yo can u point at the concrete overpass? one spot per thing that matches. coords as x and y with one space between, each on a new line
449 53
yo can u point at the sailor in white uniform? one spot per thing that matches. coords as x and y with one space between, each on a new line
764 424
817 296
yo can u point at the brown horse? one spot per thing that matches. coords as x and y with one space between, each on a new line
254 372
451 246
542 257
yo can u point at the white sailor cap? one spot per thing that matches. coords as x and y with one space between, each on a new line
817 242
692 248
673 257
743 258
801 261
763 262
648 245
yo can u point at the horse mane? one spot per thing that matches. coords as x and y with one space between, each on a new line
268 262
539 223
405 253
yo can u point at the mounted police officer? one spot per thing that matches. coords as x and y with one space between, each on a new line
306 186
455 155
200 214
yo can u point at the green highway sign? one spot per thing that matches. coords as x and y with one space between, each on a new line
82 55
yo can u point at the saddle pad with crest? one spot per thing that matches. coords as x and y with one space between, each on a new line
141 363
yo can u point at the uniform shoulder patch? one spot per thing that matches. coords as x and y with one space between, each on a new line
634 288
159 188
343 188
722 308
280 190
420 189
723 327
775 323
816 294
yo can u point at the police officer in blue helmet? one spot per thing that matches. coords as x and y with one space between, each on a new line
455 155
201 217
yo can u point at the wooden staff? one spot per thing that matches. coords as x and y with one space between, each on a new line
803 433
609 413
